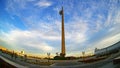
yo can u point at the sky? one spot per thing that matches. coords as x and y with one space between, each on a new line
34 26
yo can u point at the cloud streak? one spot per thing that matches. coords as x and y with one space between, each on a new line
43 3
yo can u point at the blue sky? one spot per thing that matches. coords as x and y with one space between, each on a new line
35 25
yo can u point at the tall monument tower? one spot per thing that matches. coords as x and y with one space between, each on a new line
62 54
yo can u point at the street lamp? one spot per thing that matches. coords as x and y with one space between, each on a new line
83 53
48 56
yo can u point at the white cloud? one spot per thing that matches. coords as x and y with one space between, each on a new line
117 17
56 9
76 30
43 3
18 38
105 42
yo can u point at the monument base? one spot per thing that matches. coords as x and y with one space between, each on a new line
60 58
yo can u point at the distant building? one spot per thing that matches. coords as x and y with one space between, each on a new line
108 50
22 52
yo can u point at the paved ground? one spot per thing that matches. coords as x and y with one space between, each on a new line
107 63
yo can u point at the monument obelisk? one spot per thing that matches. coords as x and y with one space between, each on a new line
62 54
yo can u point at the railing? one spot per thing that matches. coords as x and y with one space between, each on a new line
4 64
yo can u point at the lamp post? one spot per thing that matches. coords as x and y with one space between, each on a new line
83 53
48 54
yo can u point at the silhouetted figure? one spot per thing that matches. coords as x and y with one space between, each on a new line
21 58
12 55
25 57
36 61
15 55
